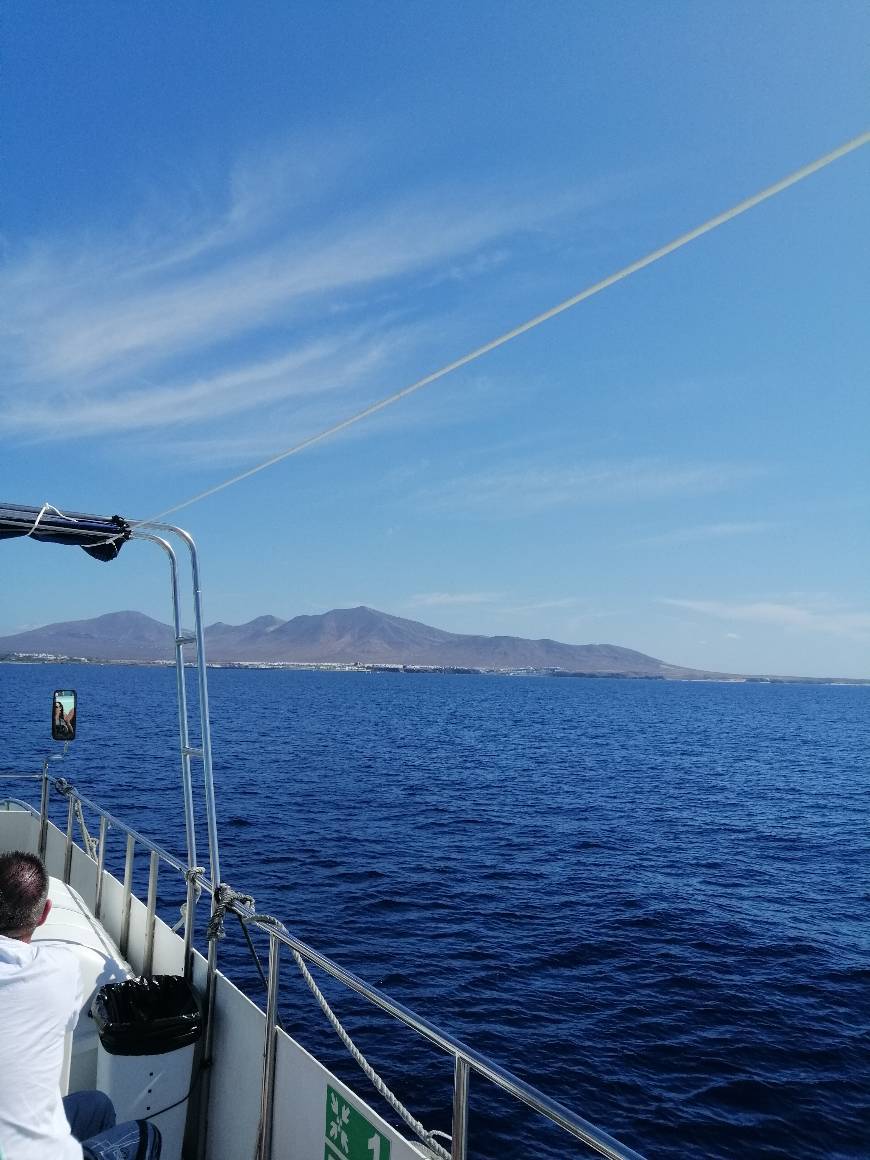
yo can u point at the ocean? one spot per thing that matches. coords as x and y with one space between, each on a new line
650 899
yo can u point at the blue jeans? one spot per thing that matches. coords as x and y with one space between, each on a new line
92 1121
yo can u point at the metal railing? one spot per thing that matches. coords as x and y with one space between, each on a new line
134 839
467 1060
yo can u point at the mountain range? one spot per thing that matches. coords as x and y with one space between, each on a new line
344 636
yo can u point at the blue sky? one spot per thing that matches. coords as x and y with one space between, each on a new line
223 227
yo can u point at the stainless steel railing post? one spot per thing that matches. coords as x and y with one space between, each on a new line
128 892
461 1075
67 854
181 694
202 680
205 725
151 914
101 861
189 912
43 811
208 1042
270 1046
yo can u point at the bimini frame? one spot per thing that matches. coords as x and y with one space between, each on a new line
103 538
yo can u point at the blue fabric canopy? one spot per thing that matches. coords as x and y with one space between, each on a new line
100 536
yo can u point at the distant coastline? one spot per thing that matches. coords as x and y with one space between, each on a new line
433 670
362 640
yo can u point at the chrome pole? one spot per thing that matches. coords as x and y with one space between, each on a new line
181 694
101 861
461 1076
208 774
43 811
208 1042
270 1047
214 856
128 890
67 854
211 820
188 927
151 914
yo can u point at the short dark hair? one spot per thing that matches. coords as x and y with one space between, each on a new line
23 891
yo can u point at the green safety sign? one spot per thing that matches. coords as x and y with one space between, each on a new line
349 1135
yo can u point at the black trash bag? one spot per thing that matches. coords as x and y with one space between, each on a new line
147 1016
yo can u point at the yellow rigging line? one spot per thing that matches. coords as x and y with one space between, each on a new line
626 271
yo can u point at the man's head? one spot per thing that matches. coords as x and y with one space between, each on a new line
24 903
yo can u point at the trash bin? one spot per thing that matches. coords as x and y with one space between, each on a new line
148 1031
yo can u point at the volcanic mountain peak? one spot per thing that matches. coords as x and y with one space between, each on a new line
343 635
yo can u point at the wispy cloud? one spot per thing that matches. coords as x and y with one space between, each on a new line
446 599
545 605
311 369
139 322
500 604
529 489
712 532
794 617
267 297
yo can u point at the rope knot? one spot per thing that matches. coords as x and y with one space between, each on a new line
191 874
225 899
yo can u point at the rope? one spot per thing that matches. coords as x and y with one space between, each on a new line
225 899
47 507
656 255
67 789
192 874
92 845
398 1107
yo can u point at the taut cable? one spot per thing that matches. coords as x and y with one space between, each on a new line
656 255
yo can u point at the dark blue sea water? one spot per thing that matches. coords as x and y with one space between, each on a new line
650 899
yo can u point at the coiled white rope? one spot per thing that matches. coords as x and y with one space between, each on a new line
656 255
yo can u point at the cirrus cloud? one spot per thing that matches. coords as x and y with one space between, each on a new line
526 489
790 616
282 283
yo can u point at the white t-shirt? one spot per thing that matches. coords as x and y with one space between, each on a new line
40 997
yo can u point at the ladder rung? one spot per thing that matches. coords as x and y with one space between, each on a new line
188 751
186 638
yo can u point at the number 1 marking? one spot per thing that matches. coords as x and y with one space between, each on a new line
375 1145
